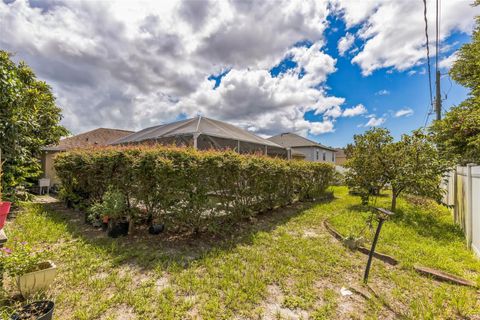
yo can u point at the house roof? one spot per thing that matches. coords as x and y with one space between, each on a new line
292 140
97 137
198 125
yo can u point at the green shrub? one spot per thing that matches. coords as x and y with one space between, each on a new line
20 259
113 205
189 189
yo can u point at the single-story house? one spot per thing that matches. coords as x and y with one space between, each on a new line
311 150
97 137
204 133
340 157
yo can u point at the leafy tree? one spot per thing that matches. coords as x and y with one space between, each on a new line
466 69
410 165
29 120
458 134
415 167
366 174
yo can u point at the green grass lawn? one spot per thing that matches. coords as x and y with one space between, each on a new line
283 265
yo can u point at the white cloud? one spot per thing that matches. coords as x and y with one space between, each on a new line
383 92
268 105
405 112
355 111
136 64
133 64
373 121
345 43
447 62
393 31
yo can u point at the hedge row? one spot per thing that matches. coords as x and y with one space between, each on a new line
187 188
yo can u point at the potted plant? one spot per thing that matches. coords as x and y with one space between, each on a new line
27 266
4 205
39 310
156 229
113 209
353 242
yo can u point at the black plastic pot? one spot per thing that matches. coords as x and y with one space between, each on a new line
38 310
156 229
87 218
117 229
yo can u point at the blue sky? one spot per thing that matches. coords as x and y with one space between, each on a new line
384 92
404 91
323 69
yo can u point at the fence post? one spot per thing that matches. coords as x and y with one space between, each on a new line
455 195
469 211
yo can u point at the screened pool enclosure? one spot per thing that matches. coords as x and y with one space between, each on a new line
203 133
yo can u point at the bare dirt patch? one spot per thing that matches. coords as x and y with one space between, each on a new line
310 233
120 312
274 310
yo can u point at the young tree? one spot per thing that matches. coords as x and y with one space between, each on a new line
367 162
416 167
458 133
29 120
410 165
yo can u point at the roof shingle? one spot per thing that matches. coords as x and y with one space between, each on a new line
97 137
292 140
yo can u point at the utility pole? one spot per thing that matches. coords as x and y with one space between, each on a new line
438 98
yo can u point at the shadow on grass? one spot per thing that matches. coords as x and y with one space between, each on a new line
360 208
424 224
148 251
428 225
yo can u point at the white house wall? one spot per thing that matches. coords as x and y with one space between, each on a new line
311 154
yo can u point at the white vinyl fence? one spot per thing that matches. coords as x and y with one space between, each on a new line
463 194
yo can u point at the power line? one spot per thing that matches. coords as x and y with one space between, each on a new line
428 62
448 92
437 27
438 98
427 115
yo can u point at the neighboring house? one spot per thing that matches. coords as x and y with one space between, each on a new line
312 151
340 157
97 137
204 133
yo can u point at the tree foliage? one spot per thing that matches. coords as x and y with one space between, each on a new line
458 134
366 174
410 165
29 120
466 69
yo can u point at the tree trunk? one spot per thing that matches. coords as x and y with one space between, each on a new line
394 201
130 226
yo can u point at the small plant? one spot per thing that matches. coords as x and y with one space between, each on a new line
20 259
355 237
114 210
113 205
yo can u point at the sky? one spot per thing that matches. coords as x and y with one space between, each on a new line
324 69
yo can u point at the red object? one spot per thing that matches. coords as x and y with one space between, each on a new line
4 210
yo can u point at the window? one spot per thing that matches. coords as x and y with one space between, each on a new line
318 155
333 156
324 156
